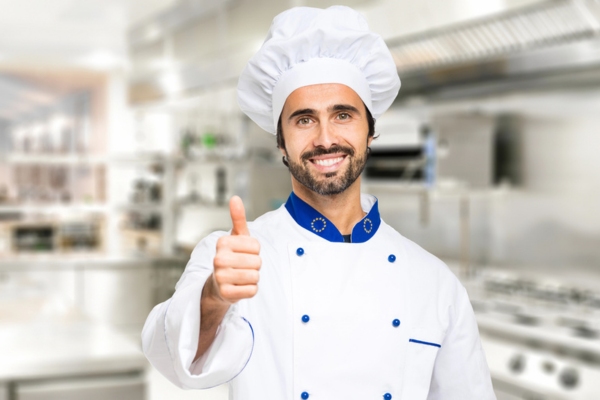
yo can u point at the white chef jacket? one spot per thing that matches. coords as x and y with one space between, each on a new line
378 318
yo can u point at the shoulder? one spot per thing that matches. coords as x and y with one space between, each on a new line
272 225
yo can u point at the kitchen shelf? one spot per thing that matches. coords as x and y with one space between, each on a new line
51 208
203 205
141 158
141 207
54 159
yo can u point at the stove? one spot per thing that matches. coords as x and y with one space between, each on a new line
541 337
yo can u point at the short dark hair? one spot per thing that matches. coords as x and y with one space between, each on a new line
281 140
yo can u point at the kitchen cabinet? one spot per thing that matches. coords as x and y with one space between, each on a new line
119 292
67 356
123 293
100 388
53 289
120 295
167 274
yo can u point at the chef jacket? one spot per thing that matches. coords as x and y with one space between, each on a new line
377 318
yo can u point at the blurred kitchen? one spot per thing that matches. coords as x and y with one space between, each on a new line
121 142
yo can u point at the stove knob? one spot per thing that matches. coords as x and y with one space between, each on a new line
517 363
548 366
569 378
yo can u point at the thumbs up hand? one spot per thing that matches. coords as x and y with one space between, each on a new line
237 261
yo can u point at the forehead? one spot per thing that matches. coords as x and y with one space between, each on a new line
321 96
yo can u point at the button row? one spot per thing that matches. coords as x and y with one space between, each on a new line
395 323
305 395
300 253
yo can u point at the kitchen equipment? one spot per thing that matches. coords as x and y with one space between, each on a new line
221 178
541 338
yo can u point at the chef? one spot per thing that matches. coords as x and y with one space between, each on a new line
319 299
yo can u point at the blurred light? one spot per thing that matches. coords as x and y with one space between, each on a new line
102 60
57 122
56 125
164 64
170 82
152 32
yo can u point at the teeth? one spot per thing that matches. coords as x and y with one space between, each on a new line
329 161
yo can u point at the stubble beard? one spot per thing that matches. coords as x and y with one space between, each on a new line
334 182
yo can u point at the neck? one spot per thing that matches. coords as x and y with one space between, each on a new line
343 209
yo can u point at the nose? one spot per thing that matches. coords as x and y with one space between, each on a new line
326 135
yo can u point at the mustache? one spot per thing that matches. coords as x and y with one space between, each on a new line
320 151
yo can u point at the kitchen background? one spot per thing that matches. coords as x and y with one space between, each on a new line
121 143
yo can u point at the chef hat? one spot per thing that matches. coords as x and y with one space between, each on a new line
308 46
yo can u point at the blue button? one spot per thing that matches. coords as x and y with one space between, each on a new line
304 395
300 251
305 318
396 323
387 396
392 258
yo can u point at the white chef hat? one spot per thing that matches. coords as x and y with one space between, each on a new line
308 46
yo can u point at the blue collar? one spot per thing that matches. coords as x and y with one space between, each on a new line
312 220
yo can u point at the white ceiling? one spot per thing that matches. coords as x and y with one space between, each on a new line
70 31
45 12
93 33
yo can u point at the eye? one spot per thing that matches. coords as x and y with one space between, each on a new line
343 116
304 121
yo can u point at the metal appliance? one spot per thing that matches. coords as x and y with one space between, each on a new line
541 338
546 43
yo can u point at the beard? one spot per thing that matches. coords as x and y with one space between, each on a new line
334 182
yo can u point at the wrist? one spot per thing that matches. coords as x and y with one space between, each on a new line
210 293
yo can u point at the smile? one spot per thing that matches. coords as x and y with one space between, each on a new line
328 162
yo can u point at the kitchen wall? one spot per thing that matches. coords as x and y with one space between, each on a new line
553 219
547 217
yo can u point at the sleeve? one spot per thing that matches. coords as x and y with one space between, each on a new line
170 334
460 371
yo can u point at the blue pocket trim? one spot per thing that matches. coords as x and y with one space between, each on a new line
426 343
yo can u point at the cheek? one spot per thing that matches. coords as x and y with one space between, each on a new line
294 147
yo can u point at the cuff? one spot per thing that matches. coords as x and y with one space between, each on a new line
227 356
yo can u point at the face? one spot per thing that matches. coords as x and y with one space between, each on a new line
326 137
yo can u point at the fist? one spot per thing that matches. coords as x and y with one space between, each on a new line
237 261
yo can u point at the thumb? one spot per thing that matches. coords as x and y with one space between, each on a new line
238 217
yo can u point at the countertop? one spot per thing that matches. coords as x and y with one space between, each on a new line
75 261
51 349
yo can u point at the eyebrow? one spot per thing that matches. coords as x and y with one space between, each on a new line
310 111
344 107
304 111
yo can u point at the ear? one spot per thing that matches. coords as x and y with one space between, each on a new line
370 140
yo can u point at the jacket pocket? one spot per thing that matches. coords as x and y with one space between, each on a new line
422 349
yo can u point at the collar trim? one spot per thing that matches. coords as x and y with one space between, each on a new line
315 222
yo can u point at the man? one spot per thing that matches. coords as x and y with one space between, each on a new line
347 307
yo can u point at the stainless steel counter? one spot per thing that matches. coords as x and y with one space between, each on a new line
70 326
65 349
76 261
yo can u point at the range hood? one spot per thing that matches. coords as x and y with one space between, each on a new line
553 42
